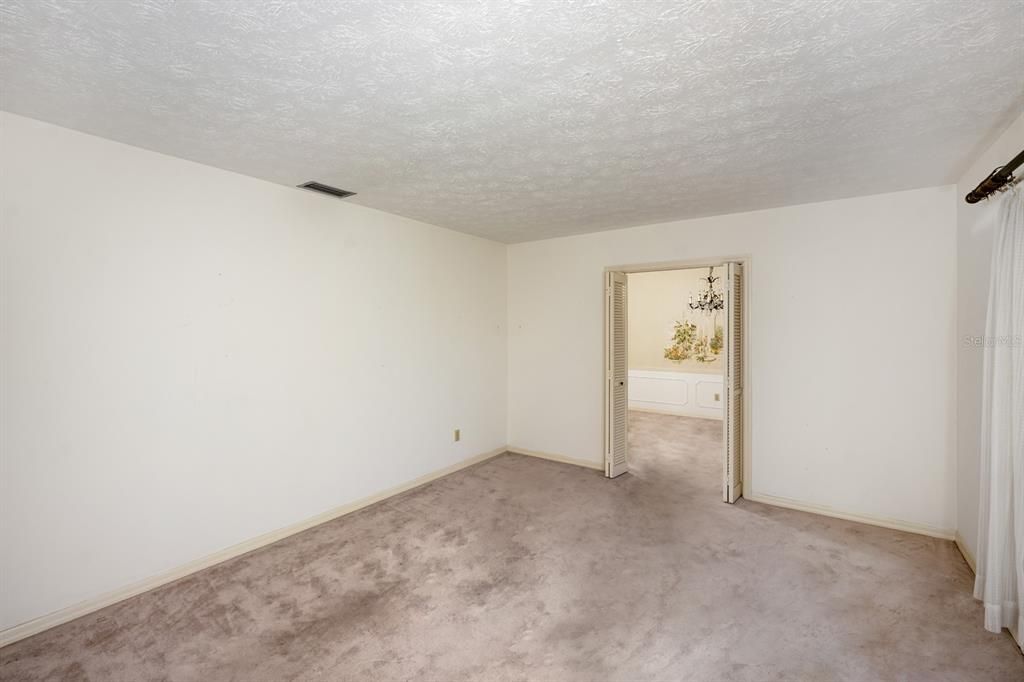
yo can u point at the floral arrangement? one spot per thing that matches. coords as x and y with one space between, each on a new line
716 340
686 342
682 341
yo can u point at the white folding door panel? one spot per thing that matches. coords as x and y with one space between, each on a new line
732 423
616 376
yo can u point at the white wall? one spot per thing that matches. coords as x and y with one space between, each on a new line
975 229
192 358
853 410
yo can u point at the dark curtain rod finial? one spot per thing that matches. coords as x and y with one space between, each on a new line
996 180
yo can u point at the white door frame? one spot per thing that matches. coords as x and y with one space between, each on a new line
745 261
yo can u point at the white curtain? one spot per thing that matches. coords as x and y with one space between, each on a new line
1000 580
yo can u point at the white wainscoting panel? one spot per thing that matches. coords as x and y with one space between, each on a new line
682 393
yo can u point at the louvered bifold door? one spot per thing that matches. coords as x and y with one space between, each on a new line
732 423
616 378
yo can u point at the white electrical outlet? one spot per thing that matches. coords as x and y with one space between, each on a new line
458 435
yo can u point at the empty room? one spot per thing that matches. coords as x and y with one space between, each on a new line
488 340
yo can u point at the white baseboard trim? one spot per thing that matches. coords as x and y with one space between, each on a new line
968 557
557 458
920 529
644 407
37 625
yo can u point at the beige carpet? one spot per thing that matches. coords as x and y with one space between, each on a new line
523 569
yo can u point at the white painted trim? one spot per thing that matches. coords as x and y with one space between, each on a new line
654 407
644 407
684 393
686 264
37 625
968 557
893 524
557 458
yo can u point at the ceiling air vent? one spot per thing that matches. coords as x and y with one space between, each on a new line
314 186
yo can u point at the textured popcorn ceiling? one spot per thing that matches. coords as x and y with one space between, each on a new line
527 119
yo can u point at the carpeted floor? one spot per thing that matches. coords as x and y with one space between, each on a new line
524 569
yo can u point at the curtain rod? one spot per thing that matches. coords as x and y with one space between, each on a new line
996 180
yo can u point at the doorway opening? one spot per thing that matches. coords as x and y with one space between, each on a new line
674 355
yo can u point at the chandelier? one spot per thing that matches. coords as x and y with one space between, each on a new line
710 299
